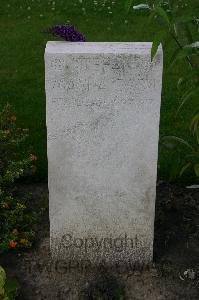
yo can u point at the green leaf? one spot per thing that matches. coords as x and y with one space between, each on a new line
194 126
194 123
174 139
192 74
151 16
184 168
157 41
191 92
182 53
163 14
196 169
174 57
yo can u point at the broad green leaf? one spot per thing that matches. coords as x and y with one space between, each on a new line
163 14
196 169
194 123
141 6
191 92
194 126
192 74
174 139
182 53
156 43
184 168
174 56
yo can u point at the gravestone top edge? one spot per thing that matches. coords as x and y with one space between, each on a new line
63 47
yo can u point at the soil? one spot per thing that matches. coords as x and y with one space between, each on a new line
173 275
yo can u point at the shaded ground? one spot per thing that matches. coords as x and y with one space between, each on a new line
174 275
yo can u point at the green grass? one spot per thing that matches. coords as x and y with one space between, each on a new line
22 65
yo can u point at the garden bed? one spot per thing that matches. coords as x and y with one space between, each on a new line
174 275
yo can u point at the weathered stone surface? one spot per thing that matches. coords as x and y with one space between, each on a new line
103 106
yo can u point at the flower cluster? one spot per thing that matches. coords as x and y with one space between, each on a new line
16 214
67 32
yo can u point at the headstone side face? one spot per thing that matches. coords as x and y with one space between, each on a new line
102 113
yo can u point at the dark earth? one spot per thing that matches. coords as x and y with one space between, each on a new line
173 275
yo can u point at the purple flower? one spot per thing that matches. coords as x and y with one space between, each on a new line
67 32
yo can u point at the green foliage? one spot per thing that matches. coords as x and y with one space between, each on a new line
8 287
177 22
16 216
181 164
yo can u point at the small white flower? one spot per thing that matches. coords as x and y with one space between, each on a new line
8 5
108 7
29 8
110 12
29 17
41 15
80 1
126 21
53 8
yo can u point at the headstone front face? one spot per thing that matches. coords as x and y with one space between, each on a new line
103 107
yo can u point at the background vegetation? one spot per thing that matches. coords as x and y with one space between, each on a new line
22 64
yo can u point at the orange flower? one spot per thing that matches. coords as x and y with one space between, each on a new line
24 241
33 157
34 168
12 244
15 232
13 118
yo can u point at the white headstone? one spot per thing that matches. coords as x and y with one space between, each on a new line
103 108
